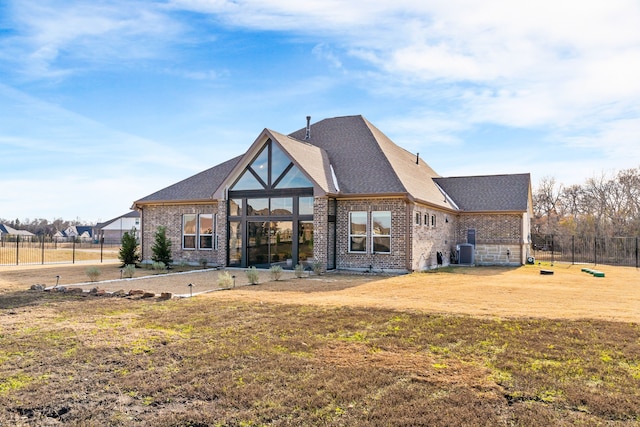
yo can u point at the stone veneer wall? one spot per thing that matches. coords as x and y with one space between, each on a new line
499 237
428 240
397 260
171 217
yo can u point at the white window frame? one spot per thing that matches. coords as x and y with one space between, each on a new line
194 234
201 235
375 235
358 235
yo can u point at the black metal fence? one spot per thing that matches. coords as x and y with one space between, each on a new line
16 250
621 251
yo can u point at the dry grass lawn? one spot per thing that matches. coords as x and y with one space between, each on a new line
485 291
456 347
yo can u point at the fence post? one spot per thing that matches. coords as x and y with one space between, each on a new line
573 249
42 237
595 251
73 252
17 250
101 248
553 251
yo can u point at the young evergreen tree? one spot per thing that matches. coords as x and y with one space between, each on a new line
162 247
129 253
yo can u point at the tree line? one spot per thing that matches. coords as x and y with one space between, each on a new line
606 206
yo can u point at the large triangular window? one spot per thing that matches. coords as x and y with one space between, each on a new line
271 169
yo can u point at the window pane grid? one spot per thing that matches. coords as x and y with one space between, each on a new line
357 231
189 231
197 231
205 231
381 231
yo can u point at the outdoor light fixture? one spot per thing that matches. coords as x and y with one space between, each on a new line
57 280
190 289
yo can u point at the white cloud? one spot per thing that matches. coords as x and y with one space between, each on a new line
566 70
56 38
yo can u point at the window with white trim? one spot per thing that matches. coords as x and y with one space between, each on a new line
418 215
381 231
433 220
357 231
189 231
205 231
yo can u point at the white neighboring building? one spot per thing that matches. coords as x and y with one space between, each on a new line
113 230
6 231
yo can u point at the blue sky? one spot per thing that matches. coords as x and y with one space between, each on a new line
105 102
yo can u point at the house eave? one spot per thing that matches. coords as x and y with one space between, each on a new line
488 212
359 196
140 204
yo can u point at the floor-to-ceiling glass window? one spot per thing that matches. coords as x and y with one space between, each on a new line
269 204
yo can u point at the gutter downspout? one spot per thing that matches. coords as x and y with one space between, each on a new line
141 234
523 256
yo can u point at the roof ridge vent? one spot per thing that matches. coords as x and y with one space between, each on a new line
308 134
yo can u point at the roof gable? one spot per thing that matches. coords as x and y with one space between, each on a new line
312 160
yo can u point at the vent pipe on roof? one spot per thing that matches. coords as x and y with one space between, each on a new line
308 134
417 158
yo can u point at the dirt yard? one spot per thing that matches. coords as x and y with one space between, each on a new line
480 291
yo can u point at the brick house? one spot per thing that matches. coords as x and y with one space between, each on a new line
341 193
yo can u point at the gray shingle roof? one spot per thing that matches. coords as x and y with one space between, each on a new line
488 193
357 159
197 187
365 162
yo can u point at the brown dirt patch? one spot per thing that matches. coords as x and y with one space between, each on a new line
481 291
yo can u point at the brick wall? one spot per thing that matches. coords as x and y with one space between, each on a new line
413 245
171 217
397 260
431 237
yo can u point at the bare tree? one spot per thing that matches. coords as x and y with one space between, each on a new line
545 201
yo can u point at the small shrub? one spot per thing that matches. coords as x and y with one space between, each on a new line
252 276
225 280
276 272
161 247
317 267
298 270
129 270
159 266
129 250
203 262
93 273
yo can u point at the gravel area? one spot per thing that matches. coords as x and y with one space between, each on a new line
202 281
